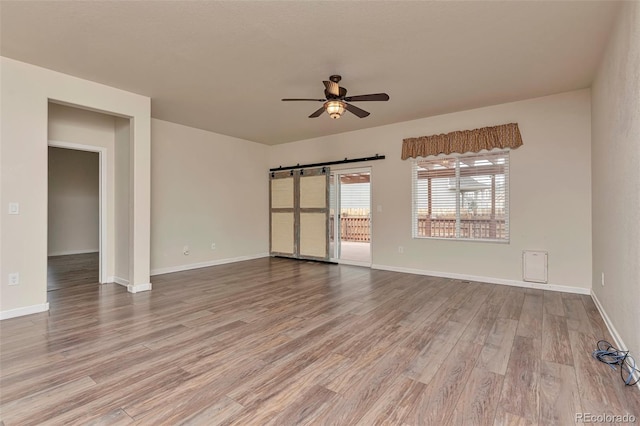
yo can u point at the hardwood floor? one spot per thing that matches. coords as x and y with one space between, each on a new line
72 270
282 342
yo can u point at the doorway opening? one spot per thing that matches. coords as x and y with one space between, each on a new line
76 131
350 216
75 242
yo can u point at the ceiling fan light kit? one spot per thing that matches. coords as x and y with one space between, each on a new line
336 100
335 109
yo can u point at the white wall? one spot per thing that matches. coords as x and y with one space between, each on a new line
122 199
207 188
550 190
616 178
74 203
24 95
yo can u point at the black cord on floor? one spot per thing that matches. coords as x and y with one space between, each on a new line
612 357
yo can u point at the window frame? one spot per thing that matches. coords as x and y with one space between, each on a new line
415 234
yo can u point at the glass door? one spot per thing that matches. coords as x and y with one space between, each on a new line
350 216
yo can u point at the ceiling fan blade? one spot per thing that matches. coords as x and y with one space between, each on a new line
355 110
314 100
332 87
318 113
371 97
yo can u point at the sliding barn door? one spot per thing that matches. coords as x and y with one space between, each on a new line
313 210
282 214
300 214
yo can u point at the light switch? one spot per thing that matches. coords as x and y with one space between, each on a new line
14 278
14 208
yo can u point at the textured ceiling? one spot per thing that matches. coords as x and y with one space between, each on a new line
224 66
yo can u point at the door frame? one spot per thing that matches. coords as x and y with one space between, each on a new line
102 196
337 223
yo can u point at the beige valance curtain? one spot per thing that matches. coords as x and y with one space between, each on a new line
504 136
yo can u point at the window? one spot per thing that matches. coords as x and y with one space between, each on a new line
464 197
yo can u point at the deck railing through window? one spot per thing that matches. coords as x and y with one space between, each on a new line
354 228
476 228
357 228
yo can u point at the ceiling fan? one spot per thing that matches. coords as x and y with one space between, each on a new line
336 100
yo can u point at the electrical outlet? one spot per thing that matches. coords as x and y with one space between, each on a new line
400 249
213 246
185 250
603 279
14 278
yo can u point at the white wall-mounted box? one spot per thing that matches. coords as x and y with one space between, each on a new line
534 266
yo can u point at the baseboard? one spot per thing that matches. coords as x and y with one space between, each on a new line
69 252
179 268
137 288
120 281
27 310
617 339
490 280
353 263
614 333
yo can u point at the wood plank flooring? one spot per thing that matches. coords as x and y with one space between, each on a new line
282 342
71 270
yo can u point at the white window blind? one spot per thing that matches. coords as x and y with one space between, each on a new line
462 197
